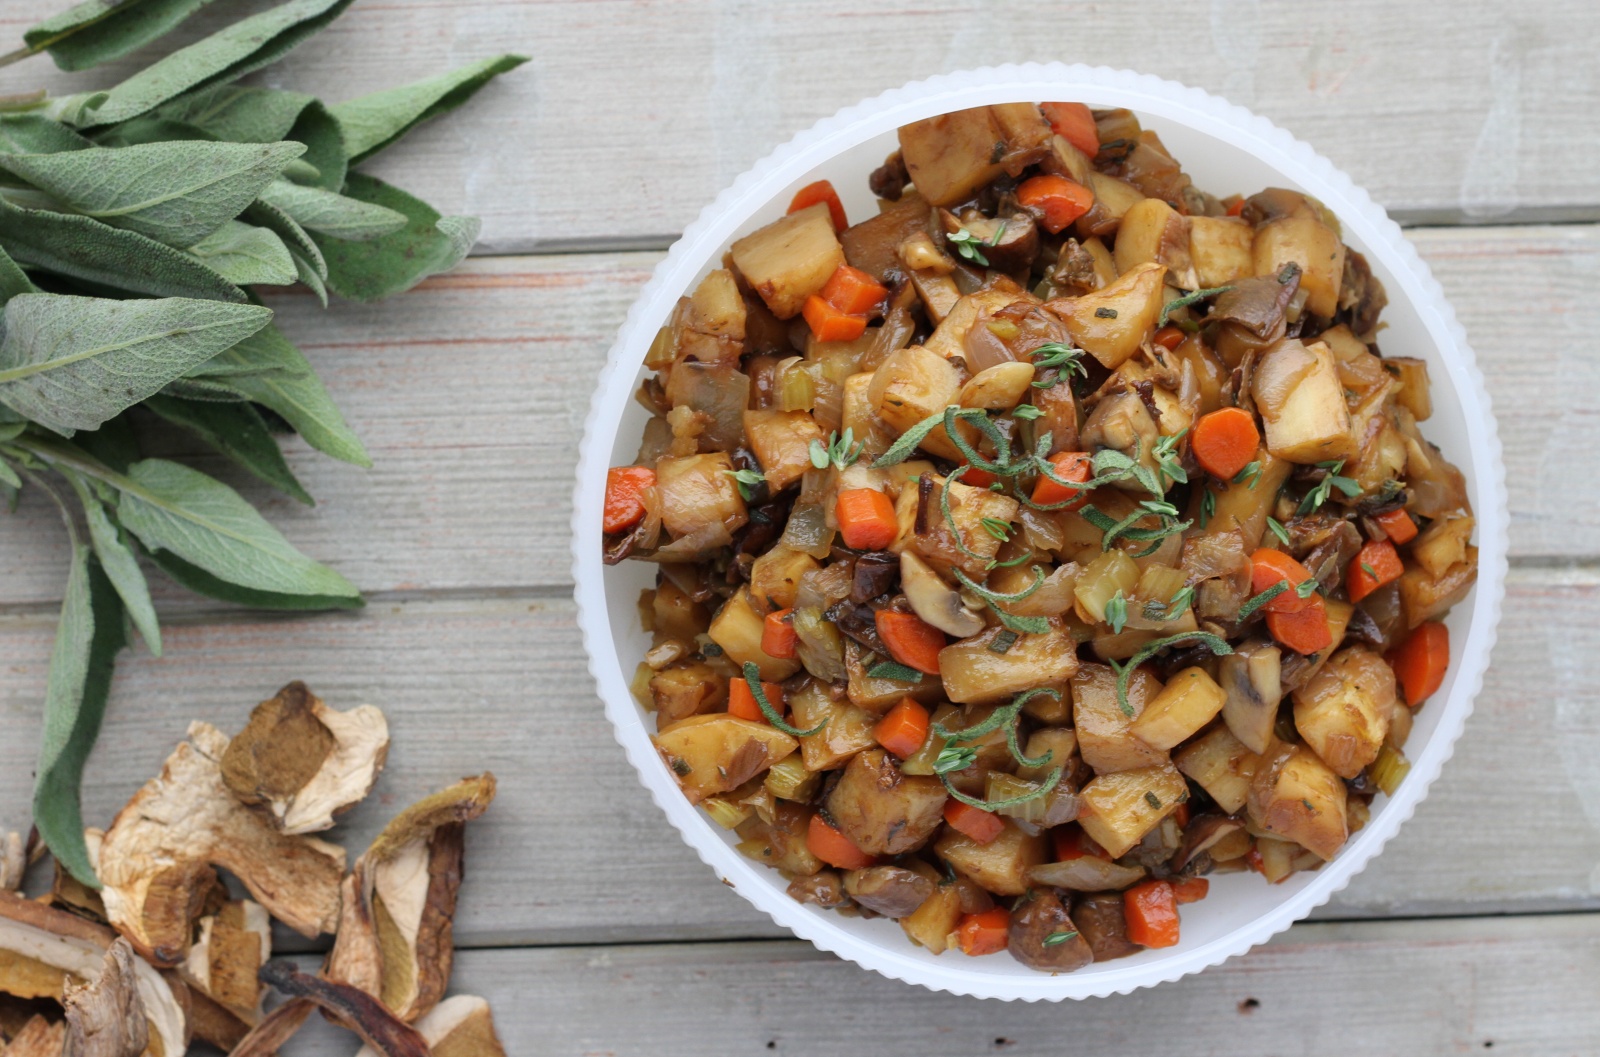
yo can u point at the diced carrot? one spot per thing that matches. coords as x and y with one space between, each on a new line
742 703
1398 526
777 635
984 933
854 291
833 847
1070 466
1071 842
1270 567
1058 199
866 519
1074 123
1169 337
821 191
1191 889
625 487
1152 912
903 728
982 826
1305 631
910 640
1237 208
1375 564
1180 815
830 324
1420 661
1255 862
978 478
1225 441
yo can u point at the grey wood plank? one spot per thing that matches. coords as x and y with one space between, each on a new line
651 108
471 393
1521 987
574 851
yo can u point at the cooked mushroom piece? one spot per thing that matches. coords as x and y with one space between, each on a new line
883 811
1104 926
1087 873
1203 832
1041 934
936 601
824 888
1009 244
1251 678
892 891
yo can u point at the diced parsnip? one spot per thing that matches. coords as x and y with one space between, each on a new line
874 244
1153 231
1101 580
1343 711
973 672
782 442
1189 701
1220 764
932 924
859 417
790 259
1104 740
697 491
950 337
911 384
715 753
1105 265
1060 742
675 614
878 694
849 728
1414 394
952 156
1110 323
1296 389
1002 865
1298 797
1312 245
1114 646
998 388
1277 858
717 308
1024 126
775 577
686 689
1067 160
938 292
1244 507
1251 677
737 629
1443 544
1117 810
1424 597
968 509
1112 200
785 836
1220 249
883 811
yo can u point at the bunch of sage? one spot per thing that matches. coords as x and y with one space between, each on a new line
135 222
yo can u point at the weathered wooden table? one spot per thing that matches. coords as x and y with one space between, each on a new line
584 919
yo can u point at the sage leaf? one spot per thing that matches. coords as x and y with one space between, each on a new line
176 193
428 244
225 56
244 254
204 389
120 564
70 363
37 134
13 280
150 129
300 244
83 248
101 30
171 507
8 476
201 582
294 392
88 637
237 431
267 115
373 122
114 444
333 215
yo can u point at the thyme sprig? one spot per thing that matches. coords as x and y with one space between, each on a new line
840 452
1188 299
1319 495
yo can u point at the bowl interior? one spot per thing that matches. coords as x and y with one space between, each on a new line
1224 155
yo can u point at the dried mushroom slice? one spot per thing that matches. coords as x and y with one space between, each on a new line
72 895
38 1038
351 1007
460 1026
13 862
44 952
232 946
303 762
155 861
105 1017
275 1029
400 901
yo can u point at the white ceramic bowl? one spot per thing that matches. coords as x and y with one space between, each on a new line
1226 149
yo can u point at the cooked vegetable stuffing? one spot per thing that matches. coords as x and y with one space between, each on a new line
1050 540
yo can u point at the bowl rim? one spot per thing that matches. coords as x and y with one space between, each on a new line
851 126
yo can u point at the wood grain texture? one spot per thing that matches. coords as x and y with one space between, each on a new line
573 851
471 392
652 108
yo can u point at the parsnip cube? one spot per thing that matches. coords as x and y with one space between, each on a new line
717 308
848 732
968 508
1189 701
1111 322
952 156
1115 197
1298 797
715 753
782 441
932 923
1343 711
1104 740
1222 765
1296 388
698 490
973 672
1312 245
1154 232
1117 810
1001 866
1220 249
737 629
911 384
790 259
775 577
1414 394
950 337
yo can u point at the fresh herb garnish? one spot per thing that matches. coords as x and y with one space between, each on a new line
1188 299
840 451
1167 459
752 678
1060 936
1026 412
954 758
1055 354
1255 602
746 480
1116 610
1319 495
1277 529
1249 475
900 673
1000 530
1208 507
1217 646
1307 588
970 246
1369 570
1170 610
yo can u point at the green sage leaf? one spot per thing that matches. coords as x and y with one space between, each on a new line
268 115
429 244
176 192
88 637
237 431
373 122
70 363
201 582
119 563
333 215
244 255
101 30
37 134
171 507
13 280
150 129
215 390
8 476
293 390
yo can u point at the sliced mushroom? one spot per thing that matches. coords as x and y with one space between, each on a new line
934 600
233 945
275 1029
400 901
72 895
155 861
1041 935
892 891
304 762
1201 835
348 1006
13 862
38 1038
1009 244
1252 678
460 1026
1087 873
44 952
105 1016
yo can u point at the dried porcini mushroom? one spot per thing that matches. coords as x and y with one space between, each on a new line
232 946
105 1017
275 1029
38 1038
303 762
72 895
460 1026
400 900
45 952
13 862
155 861
381 1030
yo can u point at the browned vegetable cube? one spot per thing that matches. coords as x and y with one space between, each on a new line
1117 810
1343 711
1104 740
848 730
883 811
737 629
1154 232
790 259
1001 866
782 441
1220 248
1311 244
973 672
1220 764
1297 390
686 689
911 384
715 753
698 491
1110 323
1424 597
931 924
775 577
952 156
1297 796
1189 701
